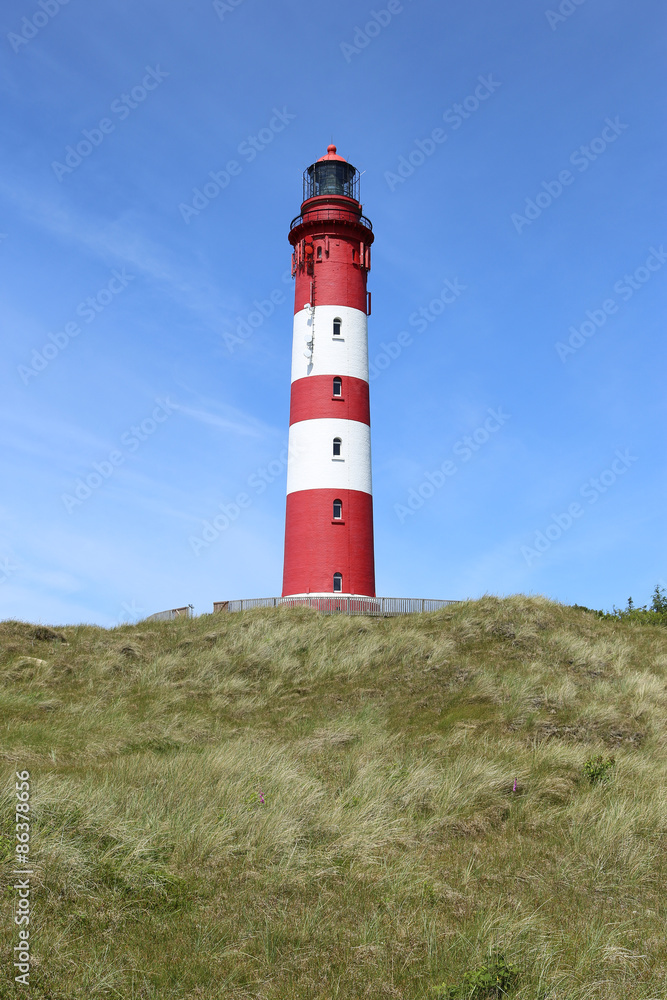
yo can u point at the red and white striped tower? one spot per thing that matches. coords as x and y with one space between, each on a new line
329 521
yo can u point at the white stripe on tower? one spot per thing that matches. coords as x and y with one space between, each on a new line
312 464
342 354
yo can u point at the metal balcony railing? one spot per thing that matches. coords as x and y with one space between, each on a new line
324 214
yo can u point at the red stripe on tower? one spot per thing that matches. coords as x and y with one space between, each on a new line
317 545
330 396
329 517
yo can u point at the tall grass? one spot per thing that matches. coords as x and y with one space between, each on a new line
277 804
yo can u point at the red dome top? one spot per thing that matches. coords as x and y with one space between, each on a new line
331 155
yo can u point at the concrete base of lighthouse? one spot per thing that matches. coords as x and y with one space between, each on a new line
357 604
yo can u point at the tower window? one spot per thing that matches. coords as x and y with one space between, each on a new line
336 327
338 583
336 446
337 387
319 253
338 509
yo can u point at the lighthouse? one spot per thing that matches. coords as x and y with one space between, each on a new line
329 513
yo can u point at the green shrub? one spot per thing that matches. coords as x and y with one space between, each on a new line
493 979
597 769
656 614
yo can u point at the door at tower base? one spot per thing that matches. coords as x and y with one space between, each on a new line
318 545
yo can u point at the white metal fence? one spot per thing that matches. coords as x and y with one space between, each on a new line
382 606
168 616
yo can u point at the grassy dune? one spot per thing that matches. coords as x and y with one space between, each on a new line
390 854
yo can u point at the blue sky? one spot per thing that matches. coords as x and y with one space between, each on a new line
528 217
